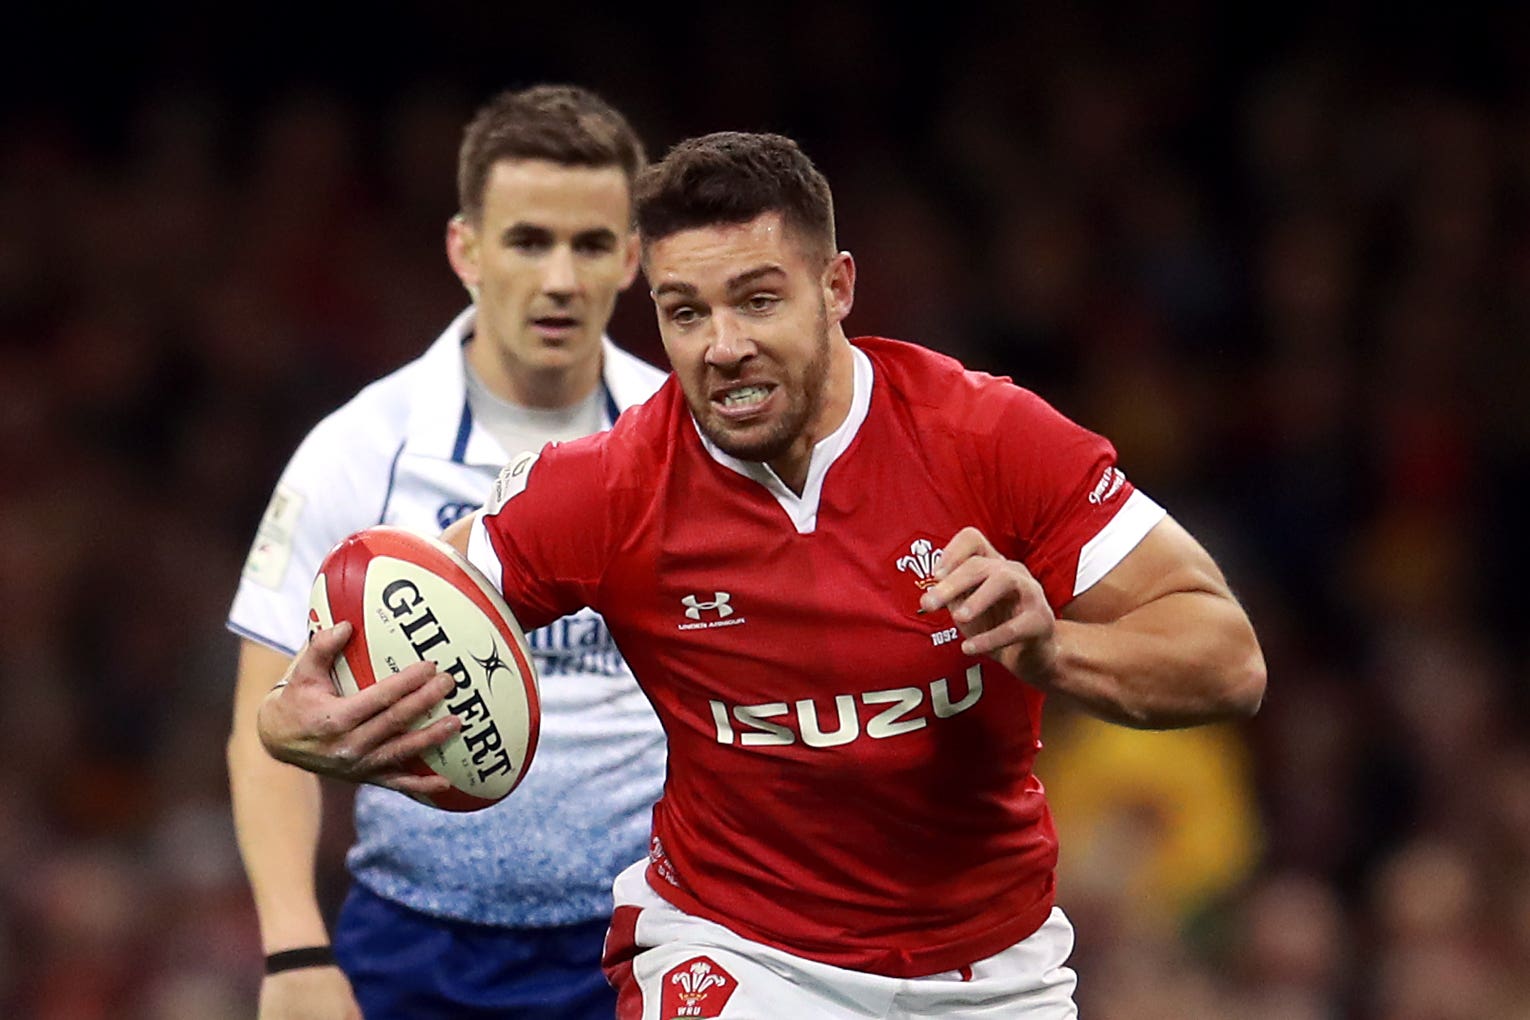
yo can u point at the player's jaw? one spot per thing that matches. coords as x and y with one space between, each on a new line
762 412
533 354
762 432
749 420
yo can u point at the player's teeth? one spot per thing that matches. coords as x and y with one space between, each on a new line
747 395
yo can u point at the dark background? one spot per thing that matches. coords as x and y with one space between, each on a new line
1279 256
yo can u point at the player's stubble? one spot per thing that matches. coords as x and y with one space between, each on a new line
804 394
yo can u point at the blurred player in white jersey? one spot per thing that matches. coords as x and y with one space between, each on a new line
499 913
848 573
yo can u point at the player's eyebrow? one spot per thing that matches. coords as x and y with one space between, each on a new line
733 286
744 279
523 231
596 235
674 287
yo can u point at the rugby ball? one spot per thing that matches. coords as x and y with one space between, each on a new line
409 597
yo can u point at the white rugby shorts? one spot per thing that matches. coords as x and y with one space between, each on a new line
669 965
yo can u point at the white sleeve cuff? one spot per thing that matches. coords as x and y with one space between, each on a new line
1126 529
480 553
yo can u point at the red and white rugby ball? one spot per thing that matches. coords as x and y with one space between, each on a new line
410 597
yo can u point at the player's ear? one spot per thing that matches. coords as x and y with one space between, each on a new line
632 252
462 251
839 286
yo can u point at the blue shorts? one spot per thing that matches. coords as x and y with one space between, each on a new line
405 965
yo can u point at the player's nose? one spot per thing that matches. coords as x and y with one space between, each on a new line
558 273
730 342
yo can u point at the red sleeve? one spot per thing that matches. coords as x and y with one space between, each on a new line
551 537
1055 484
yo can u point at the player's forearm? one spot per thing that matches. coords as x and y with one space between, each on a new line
1183 659
277 810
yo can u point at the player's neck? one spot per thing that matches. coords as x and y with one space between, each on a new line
834 407
542 387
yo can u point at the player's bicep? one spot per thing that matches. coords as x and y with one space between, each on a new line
470 535
1167 560
541 536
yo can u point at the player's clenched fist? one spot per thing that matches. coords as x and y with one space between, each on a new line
364 738
997 605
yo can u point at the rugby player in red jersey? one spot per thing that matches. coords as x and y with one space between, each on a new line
847 573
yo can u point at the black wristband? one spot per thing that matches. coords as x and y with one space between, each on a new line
297 959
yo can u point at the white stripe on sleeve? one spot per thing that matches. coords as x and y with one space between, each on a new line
1128 527
480 553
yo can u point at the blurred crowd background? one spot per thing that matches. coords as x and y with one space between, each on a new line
1281 257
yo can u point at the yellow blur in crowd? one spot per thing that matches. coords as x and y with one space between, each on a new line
1159 824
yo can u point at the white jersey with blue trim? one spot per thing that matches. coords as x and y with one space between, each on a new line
406 451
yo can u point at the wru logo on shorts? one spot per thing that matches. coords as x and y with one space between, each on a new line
699 987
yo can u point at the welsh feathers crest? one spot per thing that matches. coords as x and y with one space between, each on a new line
698 988
921 561
695 982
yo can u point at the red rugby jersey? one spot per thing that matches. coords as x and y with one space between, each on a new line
843 782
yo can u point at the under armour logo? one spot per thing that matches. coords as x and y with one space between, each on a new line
694 606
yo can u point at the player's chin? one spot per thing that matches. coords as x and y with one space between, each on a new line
549 351
554 352
760 441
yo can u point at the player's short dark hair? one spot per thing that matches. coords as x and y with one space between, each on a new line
562 124
731 177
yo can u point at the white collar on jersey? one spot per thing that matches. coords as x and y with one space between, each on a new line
438 395
803 509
